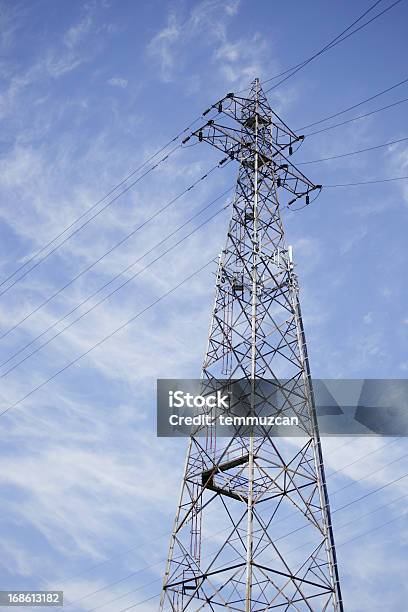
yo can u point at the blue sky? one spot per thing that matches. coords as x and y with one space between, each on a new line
88 91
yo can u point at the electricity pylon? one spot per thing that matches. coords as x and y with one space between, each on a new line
253 530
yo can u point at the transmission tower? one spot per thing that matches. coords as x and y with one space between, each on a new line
253 530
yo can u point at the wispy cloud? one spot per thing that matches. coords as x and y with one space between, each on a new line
232 60
162 47
98 477
118 82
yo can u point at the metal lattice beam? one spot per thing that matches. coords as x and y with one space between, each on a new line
243 488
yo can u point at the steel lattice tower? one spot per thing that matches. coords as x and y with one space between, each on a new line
232 547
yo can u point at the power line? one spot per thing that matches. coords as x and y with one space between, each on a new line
105 338
132 606
375 450
370 182
335 41
338 39
94 293
131 575
377 95
110 559
166 534
322 159
88 210
290 533
302 527
183 281
329 45
130 320
4 334
142 176
106 297
373 491
125 595
374 529
353 521
110 250
78 229
139 603
364 532
181 145
350 484
383 180
331 127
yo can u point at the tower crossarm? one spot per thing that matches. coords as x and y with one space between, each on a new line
232 132
236 107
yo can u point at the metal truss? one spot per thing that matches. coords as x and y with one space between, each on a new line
232 547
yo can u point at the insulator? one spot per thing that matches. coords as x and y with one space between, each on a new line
232 155
290 150
220 107
200 136
185 140
307 199
279 182
206 112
